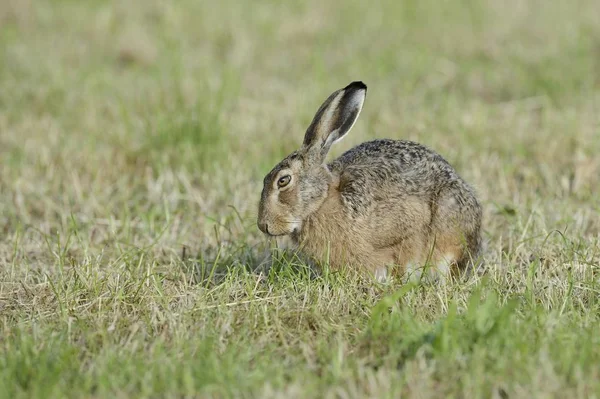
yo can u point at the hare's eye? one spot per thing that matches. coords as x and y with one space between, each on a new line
284 181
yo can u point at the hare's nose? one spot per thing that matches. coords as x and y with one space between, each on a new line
264 227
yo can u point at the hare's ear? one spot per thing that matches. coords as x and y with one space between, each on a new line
334 119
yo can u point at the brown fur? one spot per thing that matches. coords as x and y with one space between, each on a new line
383 203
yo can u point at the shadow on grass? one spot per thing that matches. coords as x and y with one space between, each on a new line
212 266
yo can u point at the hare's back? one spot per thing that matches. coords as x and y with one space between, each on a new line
389 185
376 164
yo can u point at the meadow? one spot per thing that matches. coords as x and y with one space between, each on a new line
134 137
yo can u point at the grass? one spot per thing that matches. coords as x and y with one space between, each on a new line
133 141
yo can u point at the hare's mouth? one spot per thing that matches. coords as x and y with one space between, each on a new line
268 233
293 232
292 228
272 231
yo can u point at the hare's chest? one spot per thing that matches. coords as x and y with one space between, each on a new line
330 237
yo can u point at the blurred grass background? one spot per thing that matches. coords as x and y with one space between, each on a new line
131 129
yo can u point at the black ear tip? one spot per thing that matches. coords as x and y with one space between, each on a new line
357 85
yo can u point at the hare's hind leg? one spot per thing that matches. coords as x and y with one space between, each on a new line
409 257
444 262
455 231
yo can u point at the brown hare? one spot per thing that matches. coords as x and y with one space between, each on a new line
384 206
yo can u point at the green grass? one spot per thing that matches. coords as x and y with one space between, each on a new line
134 137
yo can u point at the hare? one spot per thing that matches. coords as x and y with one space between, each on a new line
389 207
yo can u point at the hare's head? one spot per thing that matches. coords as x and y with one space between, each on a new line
298 185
